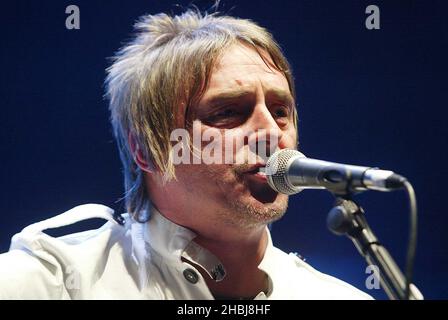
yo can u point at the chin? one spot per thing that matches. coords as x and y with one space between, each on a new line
252 211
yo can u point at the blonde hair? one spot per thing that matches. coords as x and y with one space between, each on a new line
168 64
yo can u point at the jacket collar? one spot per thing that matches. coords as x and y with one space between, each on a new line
174 242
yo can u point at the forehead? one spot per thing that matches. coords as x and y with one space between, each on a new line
241 67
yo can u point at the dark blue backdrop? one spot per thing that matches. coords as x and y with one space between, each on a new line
365 97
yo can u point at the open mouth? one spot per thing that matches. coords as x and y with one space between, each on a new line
258 172
259 187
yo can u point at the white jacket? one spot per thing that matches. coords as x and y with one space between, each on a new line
139 261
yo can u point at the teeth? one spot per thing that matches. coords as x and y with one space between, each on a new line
262 170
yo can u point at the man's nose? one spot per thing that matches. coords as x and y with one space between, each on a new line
265 134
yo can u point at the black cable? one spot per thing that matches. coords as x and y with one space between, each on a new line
412 244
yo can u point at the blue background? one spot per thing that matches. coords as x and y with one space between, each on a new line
374 98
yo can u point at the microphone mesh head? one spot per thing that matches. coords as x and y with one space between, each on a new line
276 171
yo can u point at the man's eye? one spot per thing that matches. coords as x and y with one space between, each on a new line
227 113
281 112
226 117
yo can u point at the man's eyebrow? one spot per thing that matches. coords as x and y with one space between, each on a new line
223 96
280 94
227 95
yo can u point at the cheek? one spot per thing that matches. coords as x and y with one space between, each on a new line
290 138
220 182
223 182
219 175
219 146
213 178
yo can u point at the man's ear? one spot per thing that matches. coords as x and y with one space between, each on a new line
138 155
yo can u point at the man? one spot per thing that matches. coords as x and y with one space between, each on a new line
197 222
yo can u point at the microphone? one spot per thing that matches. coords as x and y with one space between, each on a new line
289 171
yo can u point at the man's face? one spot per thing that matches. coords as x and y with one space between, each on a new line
244 99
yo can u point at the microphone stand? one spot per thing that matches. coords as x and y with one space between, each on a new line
347 218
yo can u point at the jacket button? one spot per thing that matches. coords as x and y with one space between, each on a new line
191 275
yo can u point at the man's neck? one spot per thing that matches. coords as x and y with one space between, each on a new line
240 259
